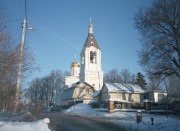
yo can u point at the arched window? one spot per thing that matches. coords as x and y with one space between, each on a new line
93 57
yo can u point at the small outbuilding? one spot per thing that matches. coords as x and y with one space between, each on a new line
156 96
122 94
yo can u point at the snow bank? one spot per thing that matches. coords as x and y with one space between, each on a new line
79 109
41 125
161 123
128 119
82 109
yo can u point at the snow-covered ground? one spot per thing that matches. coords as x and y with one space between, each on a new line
11 123
121 118
40 125
128 119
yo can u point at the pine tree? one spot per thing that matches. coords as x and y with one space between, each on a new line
140 80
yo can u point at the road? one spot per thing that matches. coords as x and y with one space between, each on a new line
62 122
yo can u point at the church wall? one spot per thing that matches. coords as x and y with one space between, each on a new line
89 66
95 79
75 71
71 80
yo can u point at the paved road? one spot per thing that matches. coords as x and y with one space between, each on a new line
62 122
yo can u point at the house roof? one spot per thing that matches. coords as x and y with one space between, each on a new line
126 88
157 91
68 93
135 88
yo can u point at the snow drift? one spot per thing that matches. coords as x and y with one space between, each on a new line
82 109
41 125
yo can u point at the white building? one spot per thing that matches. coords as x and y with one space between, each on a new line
91 70
67 81
74 77
156 96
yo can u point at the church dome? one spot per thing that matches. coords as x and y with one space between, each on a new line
75 64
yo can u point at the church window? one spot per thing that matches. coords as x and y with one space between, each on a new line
93 57
82 60
92 43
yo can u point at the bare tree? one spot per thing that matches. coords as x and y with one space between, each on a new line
126 76
154 83
113 76
42 90
66 73
172 86
160 29
9 66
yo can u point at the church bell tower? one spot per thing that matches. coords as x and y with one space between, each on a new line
91 71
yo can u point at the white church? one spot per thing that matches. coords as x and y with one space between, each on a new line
86 77
86 81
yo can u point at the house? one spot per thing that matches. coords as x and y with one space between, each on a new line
122 94
156 96
78 93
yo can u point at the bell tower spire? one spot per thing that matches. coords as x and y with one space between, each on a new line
90 26
91 70
74 56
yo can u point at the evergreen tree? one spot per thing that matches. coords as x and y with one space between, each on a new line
140 80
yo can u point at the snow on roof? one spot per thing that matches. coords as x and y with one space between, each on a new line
135 88
158 91
121 87
111 87
116 87
68 93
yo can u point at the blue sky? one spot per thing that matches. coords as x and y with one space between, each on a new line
62 27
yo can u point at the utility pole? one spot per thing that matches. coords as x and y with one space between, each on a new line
20 61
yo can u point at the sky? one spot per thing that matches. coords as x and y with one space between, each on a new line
61 28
